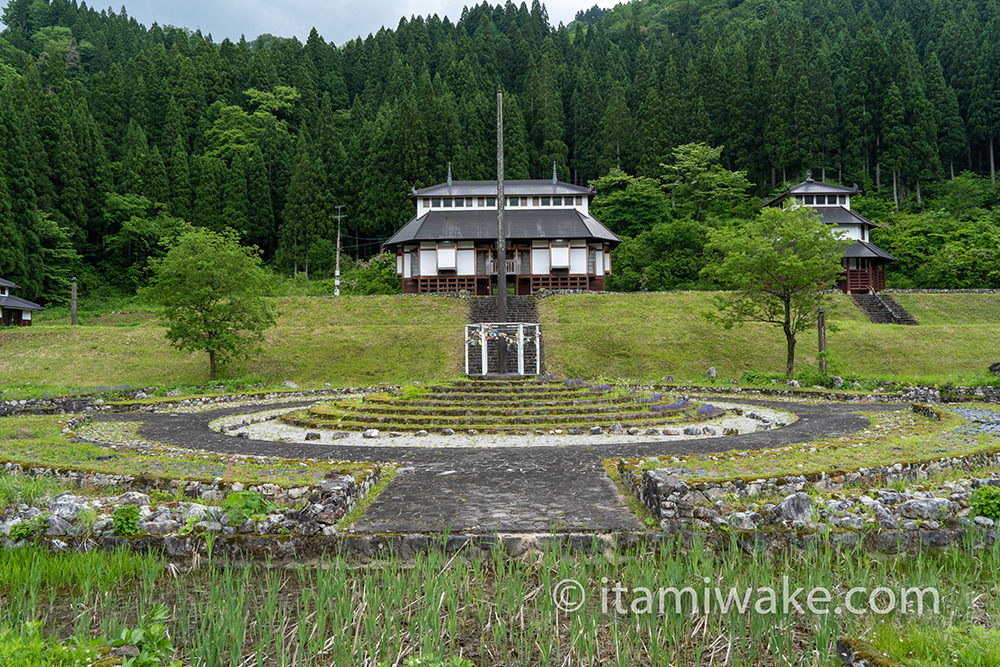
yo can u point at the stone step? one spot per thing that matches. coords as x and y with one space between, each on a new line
883 309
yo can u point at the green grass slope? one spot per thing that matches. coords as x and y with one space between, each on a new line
344 341
647 336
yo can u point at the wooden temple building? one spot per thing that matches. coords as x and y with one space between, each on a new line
14 311
552 240
864 262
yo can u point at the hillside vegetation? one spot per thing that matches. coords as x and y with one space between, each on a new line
114 135
345 341
367 339
647 336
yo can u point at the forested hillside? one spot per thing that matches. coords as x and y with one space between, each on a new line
114 135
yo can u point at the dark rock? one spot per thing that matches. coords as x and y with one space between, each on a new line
925 508
313 435
995 368
712 373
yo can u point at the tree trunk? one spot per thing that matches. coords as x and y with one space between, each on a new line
307 263
823 173
878 176
895 190
993 171
774 182
790 340
920 201
790 360
952 165
211 364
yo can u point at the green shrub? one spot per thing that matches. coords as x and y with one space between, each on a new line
242 505
151 639
16 489
29 529
125 520
27 648
410 392
985 502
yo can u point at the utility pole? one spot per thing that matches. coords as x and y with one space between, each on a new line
821 325
72 303
336 273
501 237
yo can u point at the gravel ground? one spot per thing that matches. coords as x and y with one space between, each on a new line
982 420
264 427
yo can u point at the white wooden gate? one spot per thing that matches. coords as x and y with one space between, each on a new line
522 342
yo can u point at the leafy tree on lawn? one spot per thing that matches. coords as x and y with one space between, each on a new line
211 290
629 205
777 264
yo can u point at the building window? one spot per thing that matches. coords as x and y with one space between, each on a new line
447 202
592 261
491 201
579 201
534 201
482 201
468 201
513 201
842 199
546 201
437 203
427 203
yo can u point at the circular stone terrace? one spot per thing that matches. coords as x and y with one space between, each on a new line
504 413
484 483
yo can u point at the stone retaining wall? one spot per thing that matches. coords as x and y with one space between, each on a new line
300 510
74 405
910 522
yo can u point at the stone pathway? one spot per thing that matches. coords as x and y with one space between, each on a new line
500 490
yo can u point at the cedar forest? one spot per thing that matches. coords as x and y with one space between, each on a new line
114 136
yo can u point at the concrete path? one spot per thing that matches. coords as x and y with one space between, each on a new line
505 490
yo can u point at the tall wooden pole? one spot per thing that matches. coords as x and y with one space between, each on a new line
501 236
821 325
72 303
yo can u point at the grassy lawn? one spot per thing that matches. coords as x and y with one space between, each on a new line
37 441
344 341
647 336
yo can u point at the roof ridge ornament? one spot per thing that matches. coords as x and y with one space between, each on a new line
449 173
809 176
555 174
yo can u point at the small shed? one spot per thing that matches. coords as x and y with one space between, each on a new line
14 311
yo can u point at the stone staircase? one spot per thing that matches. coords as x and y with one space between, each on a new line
506 405
883 309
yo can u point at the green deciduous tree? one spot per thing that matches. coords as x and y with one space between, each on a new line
698 184
212 292
776 264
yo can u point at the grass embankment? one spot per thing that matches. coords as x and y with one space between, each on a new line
344 341
500 611
647 336
37 441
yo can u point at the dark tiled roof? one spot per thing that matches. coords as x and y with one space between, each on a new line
510 188
7 283
866 249
838 215
481 225
811 187
17 303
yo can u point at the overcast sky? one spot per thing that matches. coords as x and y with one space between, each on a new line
336 20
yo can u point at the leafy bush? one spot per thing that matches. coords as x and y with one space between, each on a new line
28 648
125 520
411 391
151 640
985 502
242 505
29 529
